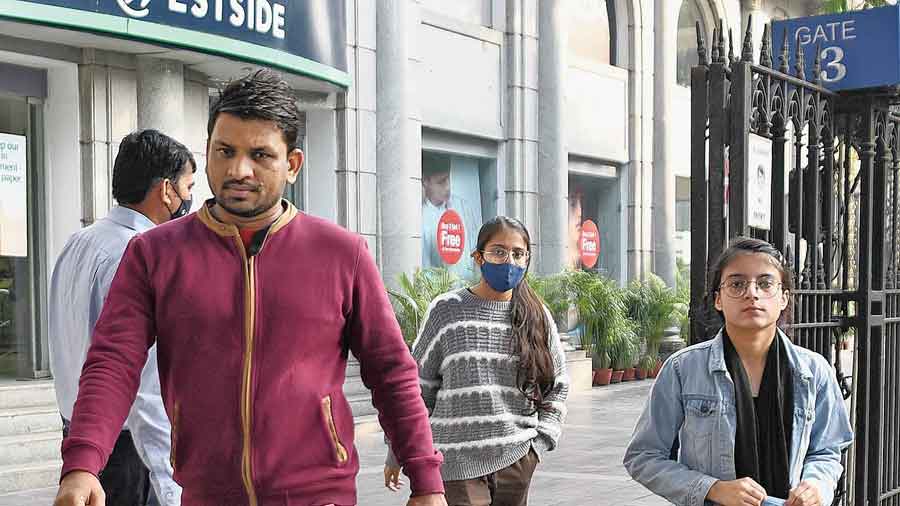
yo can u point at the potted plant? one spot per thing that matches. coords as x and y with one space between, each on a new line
627 350
654 308
646 366
413 295
601 369
601 311
556 292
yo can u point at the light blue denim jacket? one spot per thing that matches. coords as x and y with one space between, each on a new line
693 397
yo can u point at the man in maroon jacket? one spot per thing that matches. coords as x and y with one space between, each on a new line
253 307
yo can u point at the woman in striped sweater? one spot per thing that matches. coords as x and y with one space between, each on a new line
493 376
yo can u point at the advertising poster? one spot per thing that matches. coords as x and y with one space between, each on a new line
759 183
13 196
450 183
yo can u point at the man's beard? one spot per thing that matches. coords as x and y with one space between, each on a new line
247 213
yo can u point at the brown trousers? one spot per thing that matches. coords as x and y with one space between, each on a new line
506 487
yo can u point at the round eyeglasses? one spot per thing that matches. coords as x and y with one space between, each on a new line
765 288
520 257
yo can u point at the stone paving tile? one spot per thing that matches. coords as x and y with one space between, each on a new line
585 470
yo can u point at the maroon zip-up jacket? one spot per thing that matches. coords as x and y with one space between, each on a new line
251 350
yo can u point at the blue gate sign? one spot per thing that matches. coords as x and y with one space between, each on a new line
859 49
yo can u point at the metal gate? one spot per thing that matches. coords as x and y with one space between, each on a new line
834 214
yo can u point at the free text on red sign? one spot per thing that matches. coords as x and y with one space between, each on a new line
451 237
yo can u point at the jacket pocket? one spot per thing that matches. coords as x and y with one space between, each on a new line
173 435
340 451
701 417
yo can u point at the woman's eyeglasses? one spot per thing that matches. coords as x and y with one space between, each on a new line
501 256
737 288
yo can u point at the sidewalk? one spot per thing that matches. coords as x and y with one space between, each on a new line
585 470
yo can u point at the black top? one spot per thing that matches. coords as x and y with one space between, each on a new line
764 423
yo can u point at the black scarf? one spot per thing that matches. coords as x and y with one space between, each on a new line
763 437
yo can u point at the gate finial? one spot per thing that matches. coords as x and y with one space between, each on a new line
800 66
765 54
701 45
785 67
713 44
817 65
747 54
730 47
721 41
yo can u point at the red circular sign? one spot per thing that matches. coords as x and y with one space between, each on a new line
451 237
589 244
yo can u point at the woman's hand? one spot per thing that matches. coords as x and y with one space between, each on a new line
805 494
742 492
392 478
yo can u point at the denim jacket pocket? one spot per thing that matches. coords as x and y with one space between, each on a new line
701 419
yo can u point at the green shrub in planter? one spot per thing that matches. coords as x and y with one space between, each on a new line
654 308
601 309
414 294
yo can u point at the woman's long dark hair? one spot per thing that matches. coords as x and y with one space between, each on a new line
744 246
530 325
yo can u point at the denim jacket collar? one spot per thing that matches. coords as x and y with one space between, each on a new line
717 356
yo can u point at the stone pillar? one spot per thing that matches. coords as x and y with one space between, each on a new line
553 162
398 144
160 93
663 160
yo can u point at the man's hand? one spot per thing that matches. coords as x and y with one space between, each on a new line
80 488
392 478
743 492
805 494
428 500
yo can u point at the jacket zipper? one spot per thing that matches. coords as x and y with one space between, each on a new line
340 450
174 439
246 410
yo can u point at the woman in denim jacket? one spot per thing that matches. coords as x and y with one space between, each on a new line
756 416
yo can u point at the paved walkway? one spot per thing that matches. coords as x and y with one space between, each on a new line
586 470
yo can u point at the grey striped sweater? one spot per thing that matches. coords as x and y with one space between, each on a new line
480 420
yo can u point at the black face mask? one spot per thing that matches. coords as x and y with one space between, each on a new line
183 209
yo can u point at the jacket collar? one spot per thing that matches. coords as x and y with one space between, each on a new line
717 355
227 230
130 219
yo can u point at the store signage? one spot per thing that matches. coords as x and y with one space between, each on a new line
589 244
846 43
13 196
451 237
759 183
313 30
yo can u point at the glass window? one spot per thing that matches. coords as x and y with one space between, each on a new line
294 193
469 11
682 204
595 199
687 58
22 280
591 32
463 184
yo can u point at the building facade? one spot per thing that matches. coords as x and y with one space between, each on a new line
423 119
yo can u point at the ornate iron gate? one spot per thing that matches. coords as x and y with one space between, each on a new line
834 214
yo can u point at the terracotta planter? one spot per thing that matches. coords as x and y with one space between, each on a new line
655 370
602 377
617 376
640 374
629 374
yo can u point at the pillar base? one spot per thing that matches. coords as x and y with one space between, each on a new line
671 343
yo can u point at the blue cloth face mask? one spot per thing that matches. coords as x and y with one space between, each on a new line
502 277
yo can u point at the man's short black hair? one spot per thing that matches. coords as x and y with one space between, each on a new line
145 158
263 95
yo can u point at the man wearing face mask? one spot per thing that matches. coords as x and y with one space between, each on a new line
152 180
